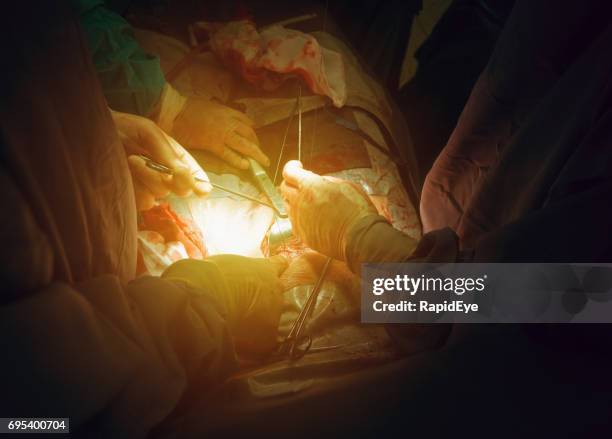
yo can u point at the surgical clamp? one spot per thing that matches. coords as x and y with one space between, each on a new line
294 340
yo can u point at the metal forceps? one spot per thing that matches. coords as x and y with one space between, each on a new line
295 344
156 166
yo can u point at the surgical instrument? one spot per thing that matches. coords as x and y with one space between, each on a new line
152 164
267 187
295 339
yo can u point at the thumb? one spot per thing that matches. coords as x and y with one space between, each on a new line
295 174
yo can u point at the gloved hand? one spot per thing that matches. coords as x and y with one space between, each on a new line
337 218
247 288
141 136
323 209
203 124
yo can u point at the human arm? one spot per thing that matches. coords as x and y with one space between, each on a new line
133 82
534 50
113 357
336 218
140 136
117 358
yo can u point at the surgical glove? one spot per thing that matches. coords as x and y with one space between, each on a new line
141 136
248 289
323 209
203 124
337 218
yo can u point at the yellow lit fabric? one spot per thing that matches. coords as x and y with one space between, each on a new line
249 290
81 338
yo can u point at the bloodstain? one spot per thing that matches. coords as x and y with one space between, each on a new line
163 220
269 60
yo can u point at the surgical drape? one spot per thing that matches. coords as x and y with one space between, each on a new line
79 337
132 80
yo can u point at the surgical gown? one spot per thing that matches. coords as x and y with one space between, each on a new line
526 174
80 338
132 80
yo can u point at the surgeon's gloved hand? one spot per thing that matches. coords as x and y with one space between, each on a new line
248 289
337 218
200 123
323 209
142 136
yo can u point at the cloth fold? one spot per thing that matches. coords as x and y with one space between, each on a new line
268 57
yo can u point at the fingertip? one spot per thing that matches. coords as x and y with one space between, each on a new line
182 182
265 161
135 159
294 164
289 167
234 159
292 171
242 117
184 192
203 188
136 162
255 152
251 149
